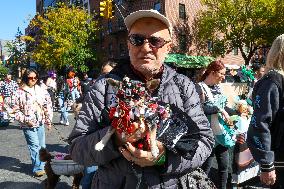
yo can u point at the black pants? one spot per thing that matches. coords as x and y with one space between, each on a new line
222 156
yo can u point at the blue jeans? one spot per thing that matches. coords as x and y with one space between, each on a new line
35 138
63 108
75 94
89 172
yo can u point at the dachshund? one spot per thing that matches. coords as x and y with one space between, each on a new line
52 178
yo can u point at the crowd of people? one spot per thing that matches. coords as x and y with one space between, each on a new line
32 100
212 126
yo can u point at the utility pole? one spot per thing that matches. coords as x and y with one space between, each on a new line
1 55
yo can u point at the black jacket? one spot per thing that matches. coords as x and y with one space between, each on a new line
265 133
193 148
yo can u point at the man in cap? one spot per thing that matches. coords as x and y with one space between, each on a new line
121 165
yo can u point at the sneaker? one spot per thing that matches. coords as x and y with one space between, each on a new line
67 123
61 122
39 173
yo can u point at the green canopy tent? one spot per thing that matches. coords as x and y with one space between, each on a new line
186 61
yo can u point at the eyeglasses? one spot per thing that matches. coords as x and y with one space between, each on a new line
32 78
154 42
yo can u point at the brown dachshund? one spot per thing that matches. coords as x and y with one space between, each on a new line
52 178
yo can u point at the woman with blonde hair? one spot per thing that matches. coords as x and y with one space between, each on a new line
266 131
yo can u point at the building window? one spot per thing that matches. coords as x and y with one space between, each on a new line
110 50
235 50
86 5
182 42
120 23
119 2
122 49
102 35
209 46
182 13
157 6
109 26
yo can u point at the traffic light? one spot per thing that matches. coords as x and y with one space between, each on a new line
111 8
104 9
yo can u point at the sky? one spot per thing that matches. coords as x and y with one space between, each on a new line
14 14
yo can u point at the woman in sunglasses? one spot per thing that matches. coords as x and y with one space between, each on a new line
33 109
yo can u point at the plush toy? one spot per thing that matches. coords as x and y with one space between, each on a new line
134 111
242 120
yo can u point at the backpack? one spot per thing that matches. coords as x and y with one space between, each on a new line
277 126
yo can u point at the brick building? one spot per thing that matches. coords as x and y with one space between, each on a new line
113 33
181 13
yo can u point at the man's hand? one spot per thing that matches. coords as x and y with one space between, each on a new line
140 157
268 178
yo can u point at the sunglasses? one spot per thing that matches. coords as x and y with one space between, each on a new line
154 42
32 78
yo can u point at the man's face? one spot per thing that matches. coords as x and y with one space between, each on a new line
146 58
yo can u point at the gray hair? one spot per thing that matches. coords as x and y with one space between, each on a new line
275 57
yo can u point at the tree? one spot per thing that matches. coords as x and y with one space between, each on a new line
17 49
243 24
3 71
65 35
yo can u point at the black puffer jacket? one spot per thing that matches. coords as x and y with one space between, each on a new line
114 170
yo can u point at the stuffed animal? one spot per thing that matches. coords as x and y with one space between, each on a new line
242 120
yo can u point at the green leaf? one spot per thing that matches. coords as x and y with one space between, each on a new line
238 24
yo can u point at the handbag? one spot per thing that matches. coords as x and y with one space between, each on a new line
196 179
224 134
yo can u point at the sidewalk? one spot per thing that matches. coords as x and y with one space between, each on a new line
15 163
